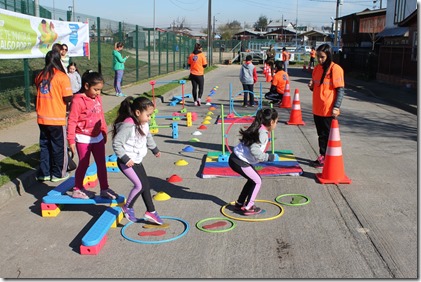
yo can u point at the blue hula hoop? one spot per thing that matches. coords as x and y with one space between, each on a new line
186 229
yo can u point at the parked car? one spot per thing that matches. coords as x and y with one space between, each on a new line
303 49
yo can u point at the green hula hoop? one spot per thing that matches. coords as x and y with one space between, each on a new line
277 199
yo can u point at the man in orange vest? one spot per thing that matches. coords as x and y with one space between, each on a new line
278 84
285 59
312 58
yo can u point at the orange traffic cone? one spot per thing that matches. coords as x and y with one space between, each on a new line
269 76
304 67
333 169
265 69
296 117
286 99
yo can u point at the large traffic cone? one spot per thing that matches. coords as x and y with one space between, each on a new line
286 99
296 117
333 169
269 76
265 69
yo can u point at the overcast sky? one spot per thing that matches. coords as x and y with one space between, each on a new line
195 12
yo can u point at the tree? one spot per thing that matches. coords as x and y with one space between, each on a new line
228 30
261 24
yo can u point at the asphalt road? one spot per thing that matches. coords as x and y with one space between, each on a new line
366 229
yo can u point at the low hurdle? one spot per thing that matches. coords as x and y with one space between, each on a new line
232 110
175 100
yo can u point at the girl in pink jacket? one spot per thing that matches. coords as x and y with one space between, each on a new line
87 133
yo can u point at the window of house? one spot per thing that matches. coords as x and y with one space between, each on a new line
399 11
344 27
353 26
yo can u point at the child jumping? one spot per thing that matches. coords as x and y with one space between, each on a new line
87 133
249 151
131 141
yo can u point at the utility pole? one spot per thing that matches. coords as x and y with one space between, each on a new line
335 43
210 31
73 10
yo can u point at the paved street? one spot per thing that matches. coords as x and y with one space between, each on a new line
366 229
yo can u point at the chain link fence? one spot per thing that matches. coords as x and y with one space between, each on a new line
150 55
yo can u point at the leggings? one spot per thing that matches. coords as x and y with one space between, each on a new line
137 175
323 129
84 153
197 80
254 181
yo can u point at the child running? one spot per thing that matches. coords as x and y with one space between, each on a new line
249 151
131 141
87 133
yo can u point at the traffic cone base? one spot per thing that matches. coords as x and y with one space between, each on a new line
333 169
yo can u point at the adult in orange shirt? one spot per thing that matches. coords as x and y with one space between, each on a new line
285 59
277 87
327 84
54 93
312 57
197 63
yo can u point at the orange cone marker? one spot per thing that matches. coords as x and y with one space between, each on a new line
269 76
296 118
333 169
286 99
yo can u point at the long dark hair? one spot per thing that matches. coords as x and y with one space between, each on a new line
127 109
91 78
325 48
52 61
251 134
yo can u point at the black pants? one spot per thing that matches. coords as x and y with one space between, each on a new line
197 80
248 92
323 129
274 97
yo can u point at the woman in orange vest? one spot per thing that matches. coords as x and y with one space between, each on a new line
327 84
285 59
54 93
197 63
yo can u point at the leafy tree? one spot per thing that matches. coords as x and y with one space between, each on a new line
261 23
229 29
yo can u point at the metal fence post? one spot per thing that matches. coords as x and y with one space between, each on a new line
98 32
137 52
27 85
149 53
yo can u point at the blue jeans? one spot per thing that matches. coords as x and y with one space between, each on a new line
53 151
118 80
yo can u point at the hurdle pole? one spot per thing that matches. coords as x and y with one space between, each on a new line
223 129
152 83
272 136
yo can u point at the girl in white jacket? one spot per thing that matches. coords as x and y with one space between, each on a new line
131 141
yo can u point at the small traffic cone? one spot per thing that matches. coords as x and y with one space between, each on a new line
333 169
286 99
304 67
269 76
265 69
296 117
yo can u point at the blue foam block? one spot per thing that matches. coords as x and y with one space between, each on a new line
66 199
92 170
101 227
63 187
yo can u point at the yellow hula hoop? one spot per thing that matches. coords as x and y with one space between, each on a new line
281 212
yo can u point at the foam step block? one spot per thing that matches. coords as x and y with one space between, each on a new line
68 200
101 226
63 187
92 170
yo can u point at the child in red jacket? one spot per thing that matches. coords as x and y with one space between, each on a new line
87 133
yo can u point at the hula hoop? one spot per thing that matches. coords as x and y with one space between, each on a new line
186 229
281 212
229 128
291 204
238 94
199 226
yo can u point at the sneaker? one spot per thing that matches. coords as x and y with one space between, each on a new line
195 103
129 214
252 105
58 179
198 102
108 194
319 162
251 211
244 106
153 217
82 194
44 178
